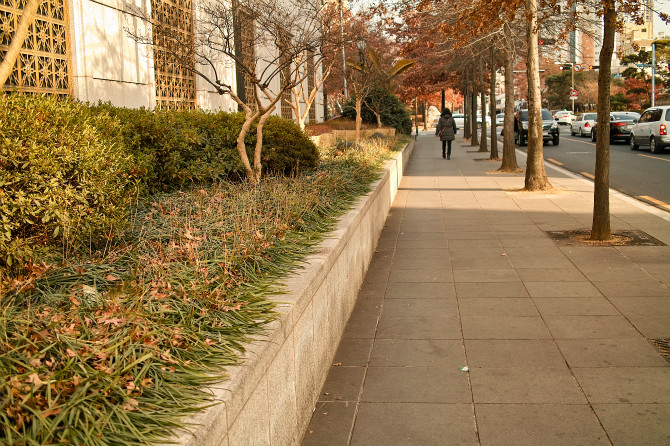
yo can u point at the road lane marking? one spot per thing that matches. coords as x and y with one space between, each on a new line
588 175
655 201
655 157
555 162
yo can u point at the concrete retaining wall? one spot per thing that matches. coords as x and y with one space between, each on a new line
269 399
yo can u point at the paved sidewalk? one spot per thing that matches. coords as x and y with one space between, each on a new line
555 337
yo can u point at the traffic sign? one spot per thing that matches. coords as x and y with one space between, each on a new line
577 67
573 98
573 94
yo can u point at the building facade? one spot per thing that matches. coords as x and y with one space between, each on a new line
88 49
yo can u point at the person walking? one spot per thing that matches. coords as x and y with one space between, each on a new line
446 131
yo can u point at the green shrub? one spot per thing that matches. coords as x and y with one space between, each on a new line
177 147
286 148
393 111
62 180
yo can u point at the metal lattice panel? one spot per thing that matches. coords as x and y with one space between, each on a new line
43 65
174 63
284 61
248 57
310 86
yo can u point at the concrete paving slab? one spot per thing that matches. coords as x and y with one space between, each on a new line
419 328
343 384
399 385
611 385
635 424
521 354
420 291
432 243
652 326
402 264
521 385
410 424
539 424
422 253
503 327
417 353
561 289
353 352
486 275
488 289
420 307
497 306
331 424
532 274
647 288
590 327
575 306
637 305
436 274
627 352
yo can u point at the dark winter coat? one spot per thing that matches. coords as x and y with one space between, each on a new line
447 123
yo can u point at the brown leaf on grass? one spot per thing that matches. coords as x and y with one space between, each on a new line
131 404
50 412
74 301
34 378
70 352
111 278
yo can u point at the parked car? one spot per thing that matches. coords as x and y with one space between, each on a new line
651 130
620 126
500 119
564 117
582 126
479 120
549 127
459 118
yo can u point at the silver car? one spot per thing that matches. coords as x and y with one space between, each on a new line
651 130
459 119
583 125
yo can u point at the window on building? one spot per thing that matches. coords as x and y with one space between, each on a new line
43 65
174 61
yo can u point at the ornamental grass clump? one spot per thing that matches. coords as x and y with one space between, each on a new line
115 346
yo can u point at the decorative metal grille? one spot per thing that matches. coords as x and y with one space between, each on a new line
310 86
174 63
285 65
43 65
248 57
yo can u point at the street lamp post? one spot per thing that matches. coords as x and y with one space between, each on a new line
653 73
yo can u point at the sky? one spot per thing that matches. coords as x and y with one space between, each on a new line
659 25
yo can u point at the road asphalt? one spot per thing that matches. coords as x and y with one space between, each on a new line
473 326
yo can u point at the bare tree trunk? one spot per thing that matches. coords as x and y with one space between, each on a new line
482 95
27 18
509 163
379 120
536 177
474 142
466 108
492 106
359 118
242 148
600 228
425 114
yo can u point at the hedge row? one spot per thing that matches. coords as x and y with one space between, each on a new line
68 170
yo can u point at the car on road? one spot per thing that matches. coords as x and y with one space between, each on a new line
549 127
651 130
564 117
582 126
479 120
459 119
620 126
500 119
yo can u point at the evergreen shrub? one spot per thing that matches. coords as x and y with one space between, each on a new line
393 111
62 180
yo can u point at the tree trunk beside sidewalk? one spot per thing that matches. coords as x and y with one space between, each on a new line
536 177
482 100
474 141
492 106
600 228
509 162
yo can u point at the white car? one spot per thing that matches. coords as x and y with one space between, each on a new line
500 119
479 120
652 130
584 124
564 117
459 118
